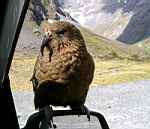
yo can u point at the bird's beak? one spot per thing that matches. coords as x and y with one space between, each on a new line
45 41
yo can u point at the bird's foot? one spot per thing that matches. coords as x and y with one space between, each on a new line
50 114
84 109
33 121
48 121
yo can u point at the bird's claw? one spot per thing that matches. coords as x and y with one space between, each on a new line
49 113
48 121
52 125
84 109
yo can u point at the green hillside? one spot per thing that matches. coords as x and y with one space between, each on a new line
107 49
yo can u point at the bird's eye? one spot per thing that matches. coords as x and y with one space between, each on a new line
61 32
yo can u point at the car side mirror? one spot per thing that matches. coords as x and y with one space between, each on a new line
64 119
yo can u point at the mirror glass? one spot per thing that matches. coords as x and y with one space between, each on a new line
77 122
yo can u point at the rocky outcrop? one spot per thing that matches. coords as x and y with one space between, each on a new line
138 27
40 10
124 20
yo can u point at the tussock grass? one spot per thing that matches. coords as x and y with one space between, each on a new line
118 71
21 72
107 72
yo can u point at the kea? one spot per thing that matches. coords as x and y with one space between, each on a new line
64 69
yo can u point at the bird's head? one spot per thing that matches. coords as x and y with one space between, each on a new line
62 31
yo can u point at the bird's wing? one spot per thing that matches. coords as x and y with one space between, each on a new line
91 68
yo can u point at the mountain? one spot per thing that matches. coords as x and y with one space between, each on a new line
104 48
124 20
110 24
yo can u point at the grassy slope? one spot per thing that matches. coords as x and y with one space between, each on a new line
118 71
145 44
108 49
117 62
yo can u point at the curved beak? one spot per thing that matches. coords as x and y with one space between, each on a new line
45 41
